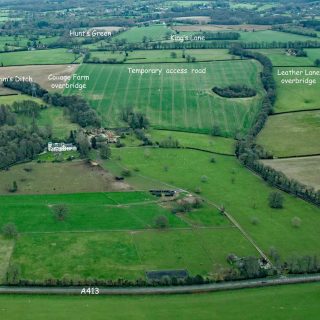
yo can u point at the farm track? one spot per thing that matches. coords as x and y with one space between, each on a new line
230 218
204 288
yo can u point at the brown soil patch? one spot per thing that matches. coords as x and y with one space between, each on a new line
40 74
304 169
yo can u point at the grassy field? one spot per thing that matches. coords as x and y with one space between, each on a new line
54 56
180 101
136 34
244 195
305 169
294 302
149 56
111 255
96 212
68 177
194 140
278 57
292 134
112 235
296 96
270 36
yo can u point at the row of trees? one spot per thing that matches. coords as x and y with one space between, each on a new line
249 152
235 91
295 30
211 44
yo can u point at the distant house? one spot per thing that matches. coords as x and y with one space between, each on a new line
61 147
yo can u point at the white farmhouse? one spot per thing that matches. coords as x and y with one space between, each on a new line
61 147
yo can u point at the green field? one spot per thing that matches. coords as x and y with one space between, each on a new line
244 195
278 57
179 101
294 302
53 56
112 235
136 34
33 177
94 211
296 96
292 134
270 36
194 140
151 56
126 254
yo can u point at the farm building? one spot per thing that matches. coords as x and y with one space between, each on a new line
61 147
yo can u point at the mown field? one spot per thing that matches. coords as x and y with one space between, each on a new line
179 101
149 56
227 183
278 57
292 134
292 302
54 56
304 169
296 96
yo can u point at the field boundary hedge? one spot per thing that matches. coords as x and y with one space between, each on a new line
294 111
162 62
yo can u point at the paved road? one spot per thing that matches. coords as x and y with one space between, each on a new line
165 290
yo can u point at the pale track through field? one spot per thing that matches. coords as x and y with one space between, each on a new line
114 93
212 121
104 90
172 100
249 113
185 105
160 100
95 81
220 110
148 106
198 85
125 97
231 114
138 93
227 214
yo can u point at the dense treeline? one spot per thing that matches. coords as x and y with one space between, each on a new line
222 44
295 30
19 143
235 91
30 88
79 110
249 152
135 120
